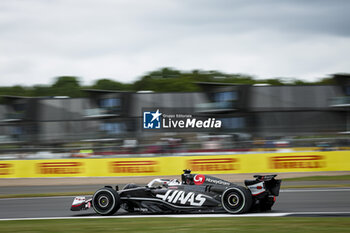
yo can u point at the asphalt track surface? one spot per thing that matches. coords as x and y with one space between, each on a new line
303 202
9 190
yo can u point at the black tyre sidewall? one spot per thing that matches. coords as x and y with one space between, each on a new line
245 200
113 198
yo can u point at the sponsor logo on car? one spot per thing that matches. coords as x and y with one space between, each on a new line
6 169
297 161
215 181
144 166
199 179
60 168
183 198
140 209
219 164
257 189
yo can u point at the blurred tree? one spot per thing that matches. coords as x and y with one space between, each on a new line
15 90
107 84
166 80
41 90
66 81
238 79
67 86
300 82
165 73
273 82
326 81
161 80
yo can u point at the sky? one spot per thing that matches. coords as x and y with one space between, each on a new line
124 39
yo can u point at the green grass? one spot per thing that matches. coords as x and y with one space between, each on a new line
319 178
176 225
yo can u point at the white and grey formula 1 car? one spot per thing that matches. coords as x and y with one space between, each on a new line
195 193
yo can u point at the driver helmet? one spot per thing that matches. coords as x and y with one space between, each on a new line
174 182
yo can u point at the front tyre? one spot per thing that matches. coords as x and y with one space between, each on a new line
236 200
106 201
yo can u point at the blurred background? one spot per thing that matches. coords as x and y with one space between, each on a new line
74 76
67 120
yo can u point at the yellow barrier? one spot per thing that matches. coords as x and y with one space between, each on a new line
216 164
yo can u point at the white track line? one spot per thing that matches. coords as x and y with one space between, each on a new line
35 198
183 216
321 213
157 216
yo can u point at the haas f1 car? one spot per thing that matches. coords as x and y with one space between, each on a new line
195 193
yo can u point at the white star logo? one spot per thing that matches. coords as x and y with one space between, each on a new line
156 115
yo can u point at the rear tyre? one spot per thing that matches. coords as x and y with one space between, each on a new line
106 201
236 200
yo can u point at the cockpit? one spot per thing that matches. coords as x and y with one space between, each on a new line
158 183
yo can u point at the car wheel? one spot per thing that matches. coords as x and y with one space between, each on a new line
106 201
236 200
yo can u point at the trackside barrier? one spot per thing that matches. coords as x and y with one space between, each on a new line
218 164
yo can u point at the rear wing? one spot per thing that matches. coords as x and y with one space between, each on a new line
264 184
265 177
